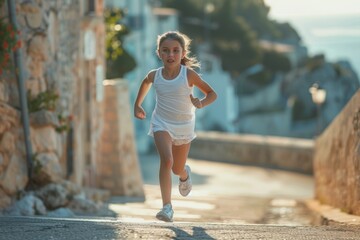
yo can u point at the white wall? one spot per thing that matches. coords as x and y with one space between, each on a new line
274 119
224 110
265 98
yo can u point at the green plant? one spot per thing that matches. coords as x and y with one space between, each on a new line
44 100
64 123
37 164
47 101
8 42
118 60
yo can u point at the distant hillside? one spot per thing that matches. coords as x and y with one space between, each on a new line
233 29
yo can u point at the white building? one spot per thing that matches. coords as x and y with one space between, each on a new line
221 114
146 22
265 112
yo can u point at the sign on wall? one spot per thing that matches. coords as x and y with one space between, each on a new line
99 83
89 45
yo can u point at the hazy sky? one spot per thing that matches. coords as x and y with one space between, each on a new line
332 33
285 9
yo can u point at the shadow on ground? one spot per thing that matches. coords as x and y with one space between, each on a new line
198 233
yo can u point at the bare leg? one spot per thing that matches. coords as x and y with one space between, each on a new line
180 154
164 145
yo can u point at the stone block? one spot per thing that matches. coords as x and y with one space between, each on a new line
337 160
45 139
53 195
29 205
120 172
15 177
47 169
9 117
7 143
33 14
268 151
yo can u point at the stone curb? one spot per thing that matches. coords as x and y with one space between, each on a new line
291 154
328 215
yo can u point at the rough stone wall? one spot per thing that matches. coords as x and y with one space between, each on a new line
119 169
13 172
337 160
52 36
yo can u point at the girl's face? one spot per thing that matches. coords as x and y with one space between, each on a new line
171 52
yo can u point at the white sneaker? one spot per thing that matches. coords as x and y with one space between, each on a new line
185 186
166 213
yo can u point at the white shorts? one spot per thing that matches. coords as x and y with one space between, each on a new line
175 141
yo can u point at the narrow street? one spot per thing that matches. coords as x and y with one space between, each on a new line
224 193
25 228
227 202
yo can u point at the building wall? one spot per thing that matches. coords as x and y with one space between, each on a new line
119 169
221 114
53 57
146 24
88 101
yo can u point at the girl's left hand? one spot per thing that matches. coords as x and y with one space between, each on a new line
195 101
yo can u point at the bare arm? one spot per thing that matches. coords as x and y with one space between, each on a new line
145 86
210 94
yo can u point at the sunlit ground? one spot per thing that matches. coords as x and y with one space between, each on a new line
223 193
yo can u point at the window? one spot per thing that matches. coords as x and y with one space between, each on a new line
90 6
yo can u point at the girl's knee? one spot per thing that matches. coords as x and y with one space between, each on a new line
167 163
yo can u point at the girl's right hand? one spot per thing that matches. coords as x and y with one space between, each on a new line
139 112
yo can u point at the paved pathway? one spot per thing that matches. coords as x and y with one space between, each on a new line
24 228
224 193
227 202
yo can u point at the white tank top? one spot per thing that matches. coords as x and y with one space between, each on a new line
174 111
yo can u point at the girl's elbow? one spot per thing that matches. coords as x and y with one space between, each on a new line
215 96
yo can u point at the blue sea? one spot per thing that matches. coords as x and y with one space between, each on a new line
338 37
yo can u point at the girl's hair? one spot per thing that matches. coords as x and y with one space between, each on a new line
184 41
